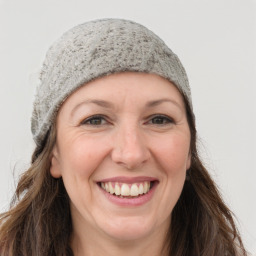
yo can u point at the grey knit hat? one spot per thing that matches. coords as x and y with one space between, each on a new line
95 49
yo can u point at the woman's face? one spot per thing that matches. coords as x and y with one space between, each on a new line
122 150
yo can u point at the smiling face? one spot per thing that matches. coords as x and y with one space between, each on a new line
122 150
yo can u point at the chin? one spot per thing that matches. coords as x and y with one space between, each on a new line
128 234
129 228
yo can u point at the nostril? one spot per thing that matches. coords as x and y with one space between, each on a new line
130 153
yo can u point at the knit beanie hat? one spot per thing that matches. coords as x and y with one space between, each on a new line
95 49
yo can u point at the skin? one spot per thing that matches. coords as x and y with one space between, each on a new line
128 139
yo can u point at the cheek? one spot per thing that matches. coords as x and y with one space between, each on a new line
173 154
82 156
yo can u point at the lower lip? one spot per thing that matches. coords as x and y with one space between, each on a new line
137 201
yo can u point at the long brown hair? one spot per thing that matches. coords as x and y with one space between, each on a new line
39 222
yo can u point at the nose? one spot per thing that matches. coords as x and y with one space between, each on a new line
130 148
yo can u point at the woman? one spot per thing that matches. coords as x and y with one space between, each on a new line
115 170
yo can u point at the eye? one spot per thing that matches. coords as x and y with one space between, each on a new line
94 120
160 120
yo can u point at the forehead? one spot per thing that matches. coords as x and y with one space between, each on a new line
133 86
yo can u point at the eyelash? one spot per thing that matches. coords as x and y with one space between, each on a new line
91 118
165 120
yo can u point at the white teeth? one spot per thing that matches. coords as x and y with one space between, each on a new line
123 189
117 190
134 191
141 189
145 187
106 187
111 189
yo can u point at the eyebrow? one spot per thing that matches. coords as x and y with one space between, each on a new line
154 103
101 103
107 104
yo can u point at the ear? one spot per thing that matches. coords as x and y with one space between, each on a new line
55 169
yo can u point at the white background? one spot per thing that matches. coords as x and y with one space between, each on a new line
215 40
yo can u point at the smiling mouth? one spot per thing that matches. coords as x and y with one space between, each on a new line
127 190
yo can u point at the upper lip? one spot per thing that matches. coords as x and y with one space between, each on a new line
124 179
